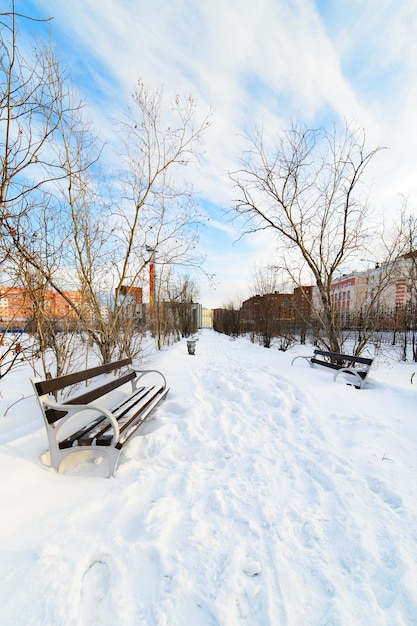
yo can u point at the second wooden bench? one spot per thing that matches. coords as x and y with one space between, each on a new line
356 366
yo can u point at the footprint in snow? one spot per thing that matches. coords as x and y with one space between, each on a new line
390 498
94 599
252 567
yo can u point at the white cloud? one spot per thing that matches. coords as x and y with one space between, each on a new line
269 60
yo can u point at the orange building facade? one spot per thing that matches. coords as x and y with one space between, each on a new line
17 305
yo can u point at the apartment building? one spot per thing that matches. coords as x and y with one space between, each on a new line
280 306
16 305
393 285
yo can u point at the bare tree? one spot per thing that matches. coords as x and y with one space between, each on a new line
406 317
377 297
158 220
228 319
11 346
57 341
308 190
101 239
182 295
33 104
266 321
371 308
153 221
30 111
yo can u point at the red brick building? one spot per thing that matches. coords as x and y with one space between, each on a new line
16 304
279 306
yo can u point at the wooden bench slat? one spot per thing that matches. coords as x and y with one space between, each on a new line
86 398
68 442
57 384
104 426
326 364
143 415
101 391
105 438
344 357
86 435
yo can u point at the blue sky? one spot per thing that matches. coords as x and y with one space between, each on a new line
253 61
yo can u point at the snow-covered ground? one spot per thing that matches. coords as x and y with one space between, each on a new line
259 494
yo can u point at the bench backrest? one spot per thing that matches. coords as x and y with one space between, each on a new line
53 385
336 357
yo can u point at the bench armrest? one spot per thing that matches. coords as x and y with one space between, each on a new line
75 409
140 373
301 356
352 372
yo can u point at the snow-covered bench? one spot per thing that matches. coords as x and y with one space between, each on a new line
356 366
102 418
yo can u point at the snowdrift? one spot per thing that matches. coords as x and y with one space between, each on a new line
259 494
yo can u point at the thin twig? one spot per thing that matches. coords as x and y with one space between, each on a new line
20 399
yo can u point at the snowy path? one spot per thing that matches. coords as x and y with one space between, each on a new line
260 494
261 474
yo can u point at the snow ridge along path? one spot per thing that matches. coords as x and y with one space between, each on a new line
259 494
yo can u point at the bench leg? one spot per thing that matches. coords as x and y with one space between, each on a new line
112 455
359 381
